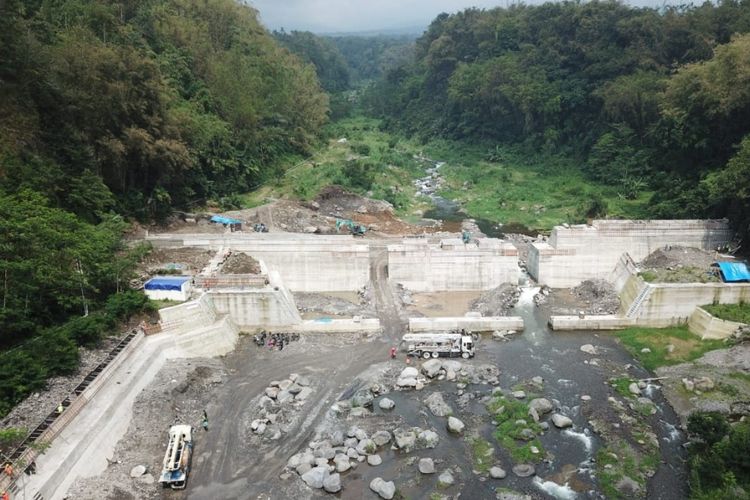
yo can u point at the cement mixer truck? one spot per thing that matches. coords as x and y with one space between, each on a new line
177 458
433 345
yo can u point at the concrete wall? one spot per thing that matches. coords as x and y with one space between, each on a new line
369 325
706 326
485 324
214 340
424 267
594 322
306 263
195 314
673 303
577 253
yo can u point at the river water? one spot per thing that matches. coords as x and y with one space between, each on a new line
568 375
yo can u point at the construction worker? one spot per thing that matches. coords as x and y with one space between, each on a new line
60 408
8 469
393 353
204 424
5 496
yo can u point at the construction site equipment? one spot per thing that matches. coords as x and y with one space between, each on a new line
353 227
433 345
260 228
177 458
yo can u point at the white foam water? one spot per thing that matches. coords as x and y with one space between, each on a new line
584 437
673 432
649 390
555 490
527 296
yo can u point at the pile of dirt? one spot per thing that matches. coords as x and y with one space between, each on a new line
498 301
184 260
598 296
240 263
336 201
332 305
675 256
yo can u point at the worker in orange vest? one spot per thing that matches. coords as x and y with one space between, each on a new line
6 496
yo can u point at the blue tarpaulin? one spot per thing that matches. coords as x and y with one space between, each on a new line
733 272
218 219
166 283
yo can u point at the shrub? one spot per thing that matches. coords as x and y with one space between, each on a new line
708 427
87 330
122 305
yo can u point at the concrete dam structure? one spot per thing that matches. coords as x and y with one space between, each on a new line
577 253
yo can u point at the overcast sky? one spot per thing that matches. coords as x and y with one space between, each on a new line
330 16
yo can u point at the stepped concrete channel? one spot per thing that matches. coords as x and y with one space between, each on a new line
210 325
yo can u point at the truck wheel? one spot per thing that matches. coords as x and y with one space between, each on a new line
435 354
465 355
426 355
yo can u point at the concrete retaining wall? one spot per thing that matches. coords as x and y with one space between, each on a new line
424 267
707 326
196 313
673 303
596 322
369 325
485 324
306 263
577 253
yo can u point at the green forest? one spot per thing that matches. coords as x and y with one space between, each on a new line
115 111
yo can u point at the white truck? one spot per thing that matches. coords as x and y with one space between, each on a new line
177 458
433 345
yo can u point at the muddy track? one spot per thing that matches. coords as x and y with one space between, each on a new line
223 466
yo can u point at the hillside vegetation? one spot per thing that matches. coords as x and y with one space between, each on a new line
644 100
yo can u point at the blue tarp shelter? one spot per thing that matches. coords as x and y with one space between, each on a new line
734 272
166 283
218 219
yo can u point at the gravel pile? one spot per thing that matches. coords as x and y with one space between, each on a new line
498 301
599 296
240 263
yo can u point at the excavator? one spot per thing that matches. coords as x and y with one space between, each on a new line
353 227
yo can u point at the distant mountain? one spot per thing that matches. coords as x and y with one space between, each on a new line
406 32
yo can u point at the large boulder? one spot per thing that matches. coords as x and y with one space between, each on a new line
406 382
541 406
314 477
362 397
437 405
386 404
428 439
524 470
342 463
426 466
561 421
589 349
386 489
405 439
366 447
374 460
497 473
409 372
446 478
381 438
432 367
332 484
455 425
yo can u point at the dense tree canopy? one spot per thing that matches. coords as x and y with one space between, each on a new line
643 97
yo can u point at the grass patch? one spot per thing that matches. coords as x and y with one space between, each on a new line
622 386
161 304
687 346
482 453
686 274
512 186
739 313
509 434
740 376
618 460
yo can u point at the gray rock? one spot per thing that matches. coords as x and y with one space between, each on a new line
518 394
360 412
585 397
362 397
374 460
504 494
386 489
561 421
432 367
137 471
332 484
303 394
497 473
303 468
634 389
405 439
303 381
524 470
366 447
337 438
426 466
272 392
381 438
285 384
406 382
544 426
437 405
538 381
360 434
321 462
541 405
704 384
527 434
325 452
342 463
314 477
455 425
428 439
446 478
352 453
350 442
688 384
628 486
146 479
409 372
589 349
386 404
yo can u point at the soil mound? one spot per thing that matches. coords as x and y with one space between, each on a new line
240 263
599 296
498 301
